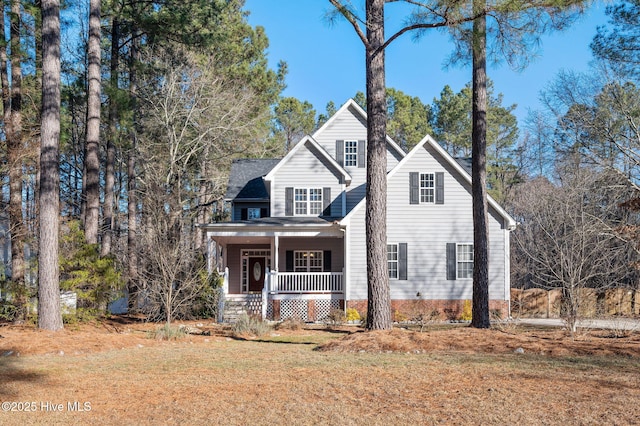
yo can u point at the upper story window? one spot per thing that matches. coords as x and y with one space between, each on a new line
350 153
307 201
427 187
253 213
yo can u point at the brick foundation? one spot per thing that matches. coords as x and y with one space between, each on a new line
407 310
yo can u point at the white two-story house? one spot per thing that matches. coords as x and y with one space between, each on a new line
295 245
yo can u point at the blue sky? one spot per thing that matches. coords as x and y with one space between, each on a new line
326 61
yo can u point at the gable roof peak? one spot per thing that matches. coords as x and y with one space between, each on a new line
320 149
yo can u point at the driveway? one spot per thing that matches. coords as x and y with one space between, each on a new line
632 324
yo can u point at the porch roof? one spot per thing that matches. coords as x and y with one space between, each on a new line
276 226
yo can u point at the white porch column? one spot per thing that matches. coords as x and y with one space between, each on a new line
347 263
276 252
210 255
265 292
225 282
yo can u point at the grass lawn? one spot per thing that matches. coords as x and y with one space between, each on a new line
450 376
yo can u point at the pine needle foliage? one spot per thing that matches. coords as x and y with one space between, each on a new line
96 280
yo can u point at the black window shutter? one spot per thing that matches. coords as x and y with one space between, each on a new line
264 212
340 152
326 201
451 261
362 153
289 261
244 214
402 261
288 201
439 188
326 260
414 188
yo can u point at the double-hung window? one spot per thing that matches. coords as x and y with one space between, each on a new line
392 260
397 261
427 187
464 258
307 201
350 153
308 261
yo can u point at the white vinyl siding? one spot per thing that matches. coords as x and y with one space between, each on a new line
427 231
350 126
307 170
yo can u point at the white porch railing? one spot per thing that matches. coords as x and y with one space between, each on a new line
304 282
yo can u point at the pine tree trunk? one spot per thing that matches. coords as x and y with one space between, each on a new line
49 316
480 305
379 299
15 157
132 285
92 161
111 139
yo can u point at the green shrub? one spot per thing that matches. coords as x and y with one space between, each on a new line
252 325
207 302
94 279
8 311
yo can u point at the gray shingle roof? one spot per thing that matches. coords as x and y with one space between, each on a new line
465 162
245 178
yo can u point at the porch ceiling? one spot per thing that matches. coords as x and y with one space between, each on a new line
269 228
242 240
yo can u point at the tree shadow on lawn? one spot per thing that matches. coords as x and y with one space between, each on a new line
12 372
296 338
290 341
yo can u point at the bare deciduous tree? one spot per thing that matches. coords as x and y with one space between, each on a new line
569 235
194 121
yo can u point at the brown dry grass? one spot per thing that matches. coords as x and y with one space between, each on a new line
449 375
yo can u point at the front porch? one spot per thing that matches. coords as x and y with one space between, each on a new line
296 265
309 297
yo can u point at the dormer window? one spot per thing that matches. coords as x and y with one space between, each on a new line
253 213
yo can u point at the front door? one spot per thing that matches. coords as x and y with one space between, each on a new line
256 273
